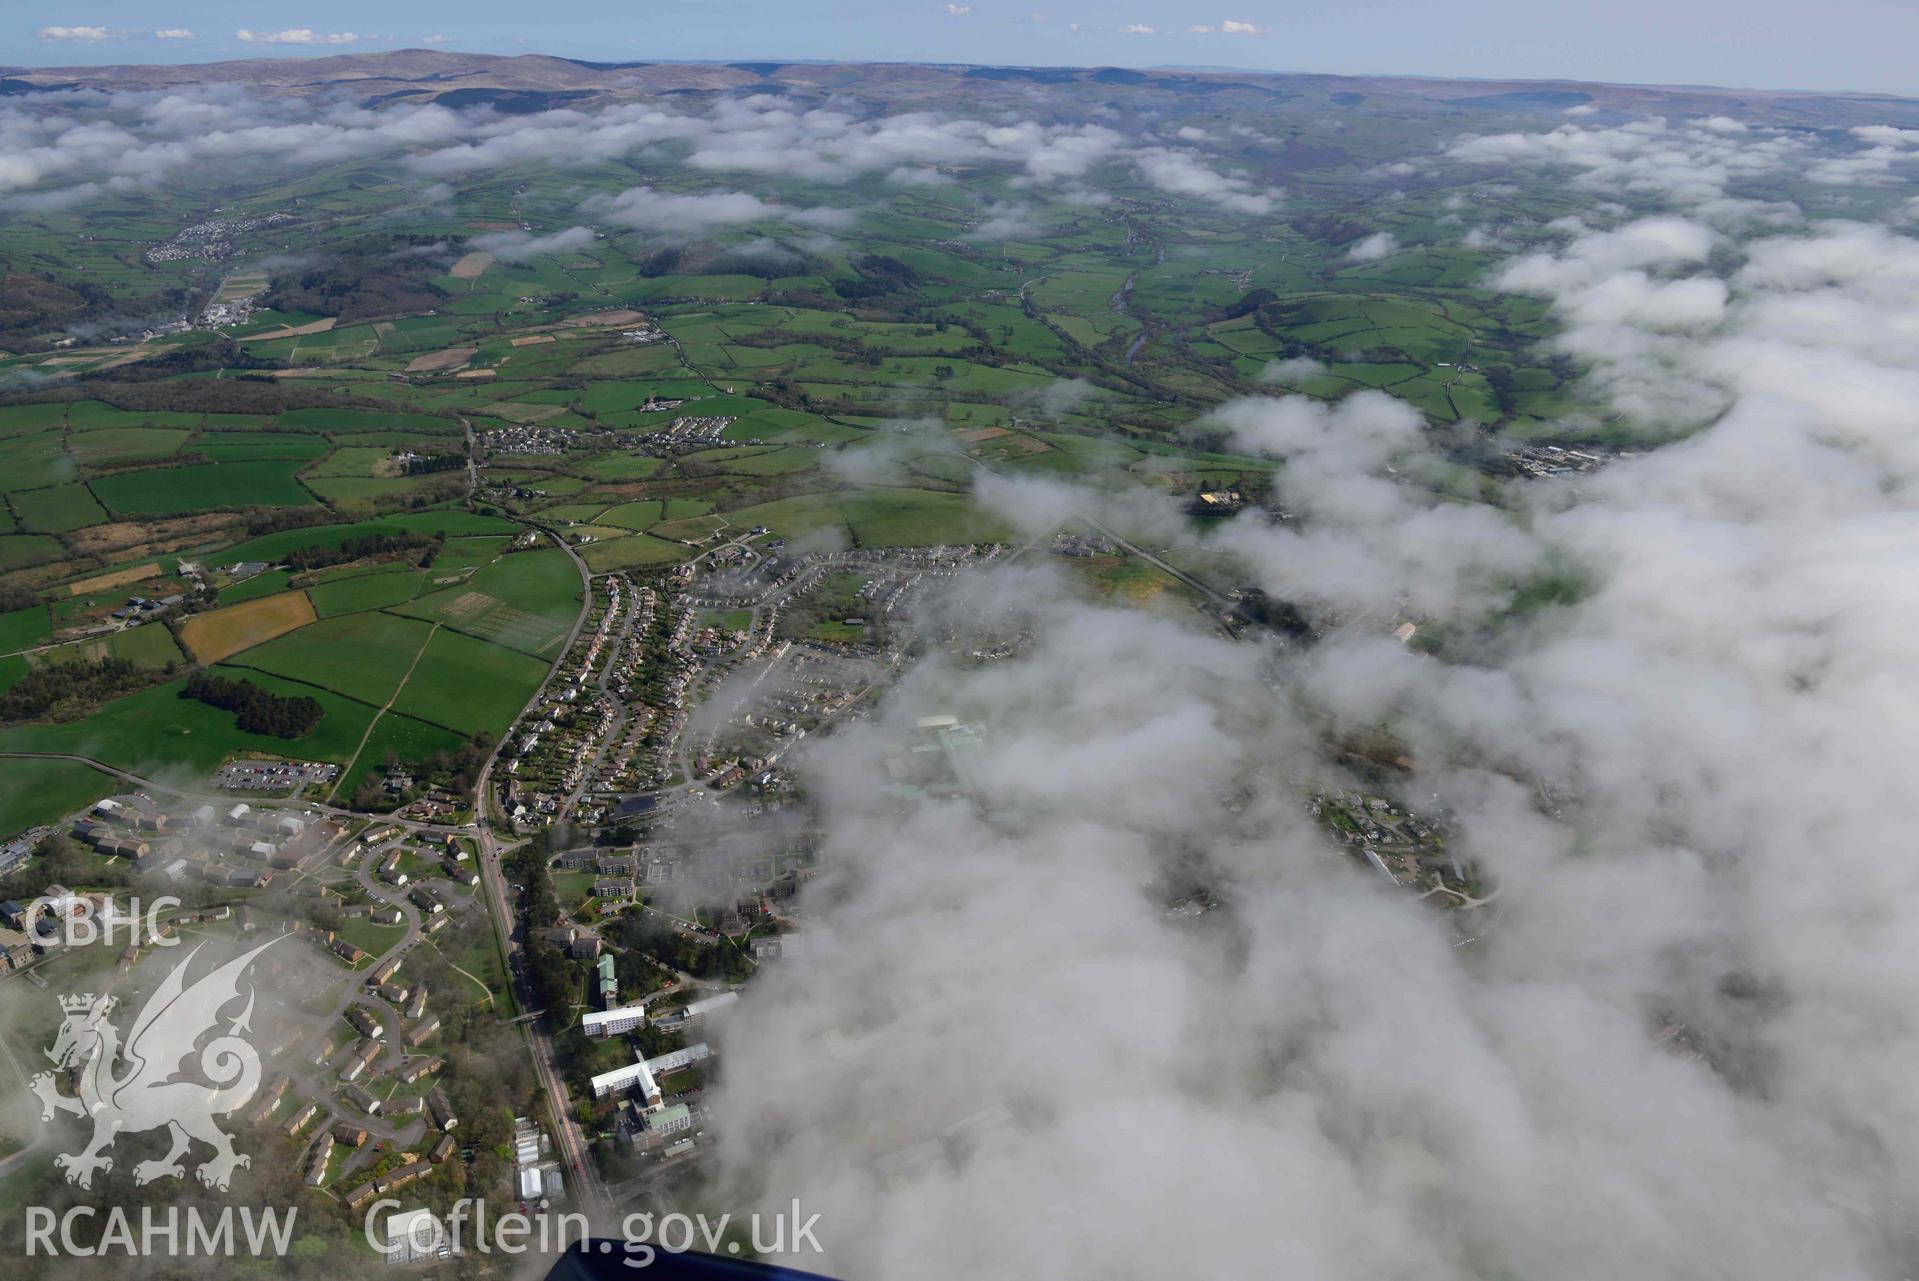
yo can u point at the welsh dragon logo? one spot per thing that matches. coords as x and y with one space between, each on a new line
140 1086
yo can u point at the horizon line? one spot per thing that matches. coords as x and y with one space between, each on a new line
1184 68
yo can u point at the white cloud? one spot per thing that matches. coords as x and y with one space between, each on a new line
140 139
1381 244
1623 297
1182 173
1684 1045
294 35
173 33
1871 167
1230 27
1673 1052
766 135
959 10
74 33
1006 222
1694 164
1887 135
680 216
1291 371
517 246
1137 29
436 39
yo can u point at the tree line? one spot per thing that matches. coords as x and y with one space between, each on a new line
67 691
880 274
359 548
256 711
376 276
432 463
551 975
242 394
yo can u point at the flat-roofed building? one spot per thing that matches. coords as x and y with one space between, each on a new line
670 1120
634 1076
604 1023
674 1060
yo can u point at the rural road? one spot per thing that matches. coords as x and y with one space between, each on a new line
589 1190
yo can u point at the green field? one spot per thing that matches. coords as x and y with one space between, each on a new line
878 518
33 793
363 656
92 415
695 530
527 601
454 523
372 939
635 551
482 961
117 446
58 510
570 513
351 461
24 628
156 731
20 419
17 550
333 740
461 554
150 645
34 461
622 467
347 489
367 591
272 548
177 491
469 685
633 516
268 583
759 461
248 446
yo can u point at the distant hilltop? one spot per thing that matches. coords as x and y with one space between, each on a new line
534 82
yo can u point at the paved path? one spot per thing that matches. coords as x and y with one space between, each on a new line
588 1187
384 709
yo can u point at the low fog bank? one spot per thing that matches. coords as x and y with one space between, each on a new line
1679 1040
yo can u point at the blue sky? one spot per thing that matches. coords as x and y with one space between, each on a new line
1853 44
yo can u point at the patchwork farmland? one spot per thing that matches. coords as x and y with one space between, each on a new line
222 633
386 500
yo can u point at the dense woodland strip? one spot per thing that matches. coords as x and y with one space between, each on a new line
67 691
257 711
320 556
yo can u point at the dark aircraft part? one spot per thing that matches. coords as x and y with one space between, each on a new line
601 1259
